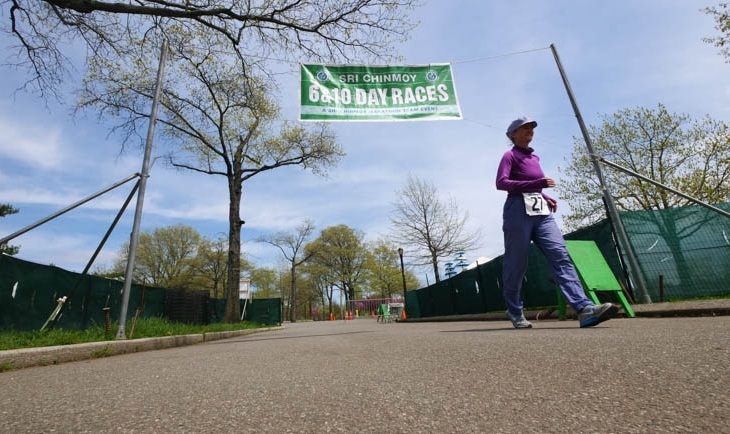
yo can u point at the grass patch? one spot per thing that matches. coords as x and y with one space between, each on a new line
104 352
144 328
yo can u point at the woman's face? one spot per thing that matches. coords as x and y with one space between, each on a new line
523 136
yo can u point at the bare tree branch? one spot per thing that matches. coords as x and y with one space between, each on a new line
289 30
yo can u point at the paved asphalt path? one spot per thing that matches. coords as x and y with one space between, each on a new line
640 375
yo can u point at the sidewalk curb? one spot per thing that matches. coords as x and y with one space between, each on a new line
42 356
531 315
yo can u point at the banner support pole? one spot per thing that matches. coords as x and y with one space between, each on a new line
635 270
134 238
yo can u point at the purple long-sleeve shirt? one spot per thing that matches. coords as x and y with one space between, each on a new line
519 172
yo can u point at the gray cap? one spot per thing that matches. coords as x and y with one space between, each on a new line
517 123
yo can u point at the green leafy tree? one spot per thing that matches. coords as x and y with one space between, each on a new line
210 266
428 226
6 210
310 302
291 246
325 30
340 254
322 280
385 277
165 257
265 282
691 156
688 155
176 257
721 14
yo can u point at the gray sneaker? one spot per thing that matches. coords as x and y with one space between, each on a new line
596 314
518 321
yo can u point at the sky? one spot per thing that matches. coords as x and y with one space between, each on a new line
617 55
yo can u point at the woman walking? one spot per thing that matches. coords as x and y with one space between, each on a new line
527 217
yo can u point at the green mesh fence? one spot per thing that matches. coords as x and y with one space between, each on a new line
683 253
29 293
263 311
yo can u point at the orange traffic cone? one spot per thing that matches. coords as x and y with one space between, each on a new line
372 314
332 318
403 314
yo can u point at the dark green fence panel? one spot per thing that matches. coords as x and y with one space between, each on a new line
424 301
216 310
443 299
413 308
683 251
263 311
29 293
467 293
490 275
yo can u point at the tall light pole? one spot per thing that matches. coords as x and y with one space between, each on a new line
403 275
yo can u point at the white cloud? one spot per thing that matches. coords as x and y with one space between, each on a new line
29 145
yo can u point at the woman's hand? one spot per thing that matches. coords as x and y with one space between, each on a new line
550 182
553 205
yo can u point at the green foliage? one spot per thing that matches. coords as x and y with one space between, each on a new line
175 257
30 339
339 255
144 328
384 269
100 353
721 14
210 266
5 210
688 155
265 282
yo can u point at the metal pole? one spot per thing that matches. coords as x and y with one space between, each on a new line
96 253
65 210
134 238
659 184
635 271
403 275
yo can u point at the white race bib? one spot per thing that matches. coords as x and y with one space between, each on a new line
535 204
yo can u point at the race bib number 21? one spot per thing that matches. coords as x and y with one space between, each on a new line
535 204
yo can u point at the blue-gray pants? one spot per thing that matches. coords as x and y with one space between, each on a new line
519 229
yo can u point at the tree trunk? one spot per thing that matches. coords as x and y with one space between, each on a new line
293 301
234 251
435 262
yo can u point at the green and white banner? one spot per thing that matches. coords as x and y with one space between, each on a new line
378 93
